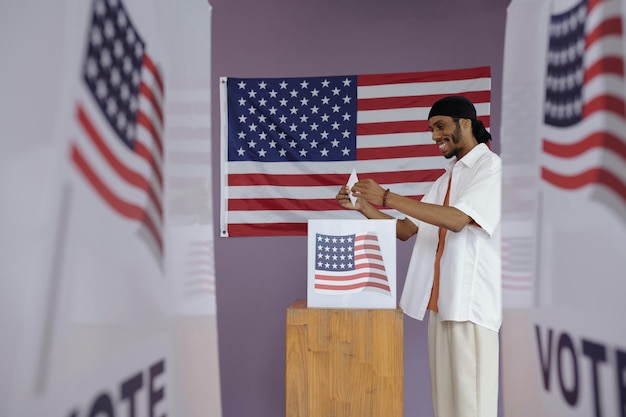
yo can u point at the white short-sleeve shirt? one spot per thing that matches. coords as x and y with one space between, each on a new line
470 277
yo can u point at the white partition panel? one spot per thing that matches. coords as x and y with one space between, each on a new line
107 276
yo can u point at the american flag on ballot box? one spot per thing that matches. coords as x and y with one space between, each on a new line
349 263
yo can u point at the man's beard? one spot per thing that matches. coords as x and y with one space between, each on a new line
456 138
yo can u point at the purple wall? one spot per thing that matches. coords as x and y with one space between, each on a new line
258 278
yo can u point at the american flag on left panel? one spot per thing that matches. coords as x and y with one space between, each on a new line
347 264
118 144
584 146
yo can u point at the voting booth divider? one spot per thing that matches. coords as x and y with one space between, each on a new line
344 343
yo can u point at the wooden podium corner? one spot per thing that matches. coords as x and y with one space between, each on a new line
344 362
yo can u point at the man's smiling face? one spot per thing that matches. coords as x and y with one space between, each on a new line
452 137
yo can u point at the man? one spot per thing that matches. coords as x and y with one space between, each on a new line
455 266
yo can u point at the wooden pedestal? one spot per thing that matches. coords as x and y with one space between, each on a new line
344 362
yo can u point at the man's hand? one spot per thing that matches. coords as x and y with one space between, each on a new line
370 191
343 197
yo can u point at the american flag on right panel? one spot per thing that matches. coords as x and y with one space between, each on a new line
584 144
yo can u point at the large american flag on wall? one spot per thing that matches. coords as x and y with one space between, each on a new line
584 111
288 144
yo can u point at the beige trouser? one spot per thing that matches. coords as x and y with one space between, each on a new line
463 358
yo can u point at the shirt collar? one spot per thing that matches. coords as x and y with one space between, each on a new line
470 158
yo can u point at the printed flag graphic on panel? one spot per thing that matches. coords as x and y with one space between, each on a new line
348 264
118 147
288 144
200 275
585 130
